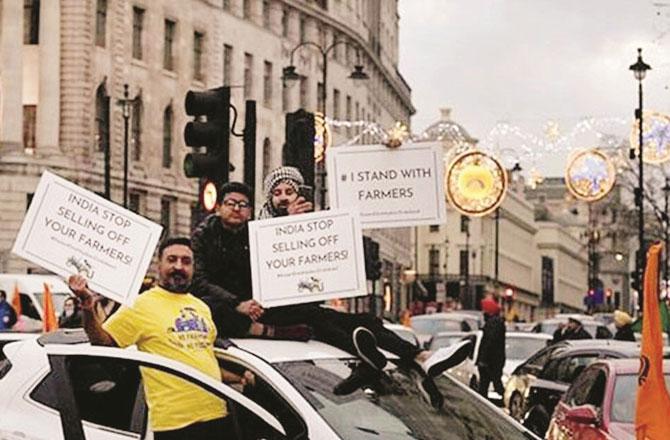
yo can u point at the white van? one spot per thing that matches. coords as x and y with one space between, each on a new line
31 290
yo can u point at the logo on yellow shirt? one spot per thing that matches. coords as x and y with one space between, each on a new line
190 330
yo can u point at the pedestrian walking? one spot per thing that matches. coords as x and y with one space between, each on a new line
624 326
177 409
491 356
7 313
71 315
223 280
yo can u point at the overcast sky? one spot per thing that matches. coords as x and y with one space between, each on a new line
530 61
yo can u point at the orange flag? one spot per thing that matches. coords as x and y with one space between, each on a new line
653 400
49 321
16 301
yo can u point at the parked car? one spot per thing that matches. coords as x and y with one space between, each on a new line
560 370
59 375
427 326
31 291
404 332
600 404
12 336
596 329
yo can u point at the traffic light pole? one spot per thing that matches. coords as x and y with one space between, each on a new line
250 146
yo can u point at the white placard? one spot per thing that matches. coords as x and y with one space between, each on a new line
390 187
307 257
69 229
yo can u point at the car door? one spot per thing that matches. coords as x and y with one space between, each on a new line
99 396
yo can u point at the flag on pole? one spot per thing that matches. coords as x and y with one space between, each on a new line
49 321
653 400
16 301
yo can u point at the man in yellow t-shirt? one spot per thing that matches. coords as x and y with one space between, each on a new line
168 321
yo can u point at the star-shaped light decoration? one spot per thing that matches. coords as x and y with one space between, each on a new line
396 135
655 137
590 175
552 131
535 178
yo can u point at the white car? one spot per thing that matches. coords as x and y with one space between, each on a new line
59 387
405 333
426 326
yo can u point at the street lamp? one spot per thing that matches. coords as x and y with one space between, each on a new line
289 74
666 267
125 104
640 71
515 169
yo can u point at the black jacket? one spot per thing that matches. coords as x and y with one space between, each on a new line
492 348
222 266
563 334
625 333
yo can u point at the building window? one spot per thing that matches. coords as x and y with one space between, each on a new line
227 64
465 223
284 23
285 96
266 14
464 263
29 200
138 27
303 30
319 97
135 203
167 137
226 5
547 281
303 92
166 216
100 23
246 8
434 228
336 104
168 45
102 118
29 118
433 261
31 21
267 156
198 43
196 215
348 113
248 84
267 84
136 128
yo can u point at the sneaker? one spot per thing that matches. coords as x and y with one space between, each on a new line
430 392
361 375
366 347
446 358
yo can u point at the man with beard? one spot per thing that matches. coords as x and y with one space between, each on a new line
223 280
155 323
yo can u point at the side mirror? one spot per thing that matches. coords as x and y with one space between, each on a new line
584 415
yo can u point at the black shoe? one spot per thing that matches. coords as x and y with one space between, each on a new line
361 375
430 392
366 347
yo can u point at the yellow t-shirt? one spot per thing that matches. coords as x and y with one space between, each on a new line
179 327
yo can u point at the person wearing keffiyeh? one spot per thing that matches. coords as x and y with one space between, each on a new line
282 191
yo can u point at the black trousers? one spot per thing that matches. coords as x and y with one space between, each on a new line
330 326
212 430
486 376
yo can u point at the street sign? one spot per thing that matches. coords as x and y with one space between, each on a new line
390 187
69 230
307 257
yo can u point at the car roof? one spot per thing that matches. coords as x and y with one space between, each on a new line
445 316
626 348
399 327
628 366
34 283
528 335
447 334
589 320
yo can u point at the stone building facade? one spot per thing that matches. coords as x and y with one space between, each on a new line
64 64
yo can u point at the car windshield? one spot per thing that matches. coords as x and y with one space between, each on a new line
522 348
58 300
432 326
395 410
625 392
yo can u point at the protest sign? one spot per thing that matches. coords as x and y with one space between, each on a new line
390 187
69 230
307 257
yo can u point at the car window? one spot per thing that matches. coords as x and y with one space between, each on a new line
550 370
542 357
571 366
393 408
28 307
522 348
579 391
623 401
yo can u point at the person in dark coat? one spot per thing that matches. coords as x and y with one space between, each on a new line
71 315
491 357
624 326
7 313
571 331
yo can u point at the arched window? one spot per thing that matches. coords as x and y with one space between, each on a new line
167 137
136 128
267 156
102 118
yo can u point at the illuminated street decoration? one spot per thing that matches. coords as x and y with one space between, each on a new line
656 137
322 137
475 183
590 175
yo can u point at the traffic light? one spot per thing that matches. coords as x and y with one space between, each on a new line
298 148
373 266
210 129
